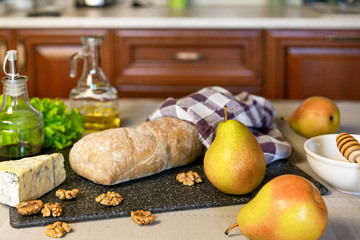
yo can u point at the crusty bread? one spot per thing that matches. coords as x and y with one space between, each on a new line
117 155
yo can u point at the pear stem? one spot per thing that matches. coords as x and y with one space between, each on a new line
284 118
225 112
231 227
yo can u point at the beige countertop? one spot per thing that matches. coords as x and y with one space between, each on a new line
210 223
223 17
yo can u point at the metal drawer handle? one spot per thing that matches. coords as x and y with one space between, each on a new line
3 49
334 38
188 56
21 55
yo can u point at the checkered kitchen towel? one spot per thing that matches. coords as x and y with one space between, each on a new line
205 109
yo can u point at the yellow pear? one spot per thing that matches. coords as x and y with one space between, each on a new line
234 163
288 207
315 116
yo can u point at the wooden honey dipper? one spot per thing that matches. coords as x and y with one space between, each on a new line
349 147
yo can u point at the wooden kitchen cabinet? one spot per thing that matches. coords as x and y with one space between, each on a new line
6 41
44 56
303 63
143 63
164 63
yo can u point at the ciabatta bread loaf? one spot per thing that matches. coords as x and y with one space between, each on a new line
116 155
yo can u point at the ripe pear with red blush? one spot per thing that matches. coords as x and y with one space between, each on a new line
288 207
235 162
315 116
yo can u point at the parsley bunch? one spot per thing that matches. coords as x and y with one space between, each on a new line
61 127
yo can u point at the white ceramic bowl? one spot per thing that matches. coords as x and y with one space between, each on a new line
327 162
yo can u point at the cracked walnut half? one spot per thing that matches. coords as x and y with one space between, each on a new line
141 217
109 199
189 178
29 207
57 229
52 209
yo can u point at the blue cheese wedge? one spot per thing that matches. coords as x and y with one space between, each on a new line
30 178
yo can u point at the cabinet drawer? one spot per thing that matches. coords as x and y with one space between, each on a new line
162 63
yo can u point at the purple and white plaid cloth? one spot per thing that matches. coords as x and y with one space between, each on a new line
205 109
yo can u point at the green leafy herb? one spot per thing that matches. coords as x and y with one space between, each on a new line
61 127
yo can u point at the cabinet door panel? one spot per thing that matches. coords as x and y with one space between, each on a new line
154 63
47 59
333 72
303 63
6 43
55 81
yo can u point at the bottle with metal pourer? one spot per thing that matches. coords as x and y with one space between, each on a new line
21 125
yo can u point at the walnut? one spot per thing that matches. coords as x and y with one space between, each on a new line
46 211
141 217
29 207
189 178
57 229
51 209
109 199
67 194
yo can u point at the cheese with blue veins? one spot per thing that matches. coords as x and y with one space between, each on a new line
30 178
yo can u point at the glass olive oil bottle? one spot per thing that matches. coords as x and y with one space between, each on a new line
21 125
93 96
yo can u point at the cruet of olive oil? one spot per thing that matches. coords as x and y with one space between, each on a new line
21 125
93 96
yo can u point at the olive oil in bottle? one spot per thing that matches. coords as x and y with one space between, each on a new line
93 96
98 118
21 125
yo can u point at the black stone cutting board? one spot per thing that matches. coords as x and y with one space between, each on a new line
158 193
